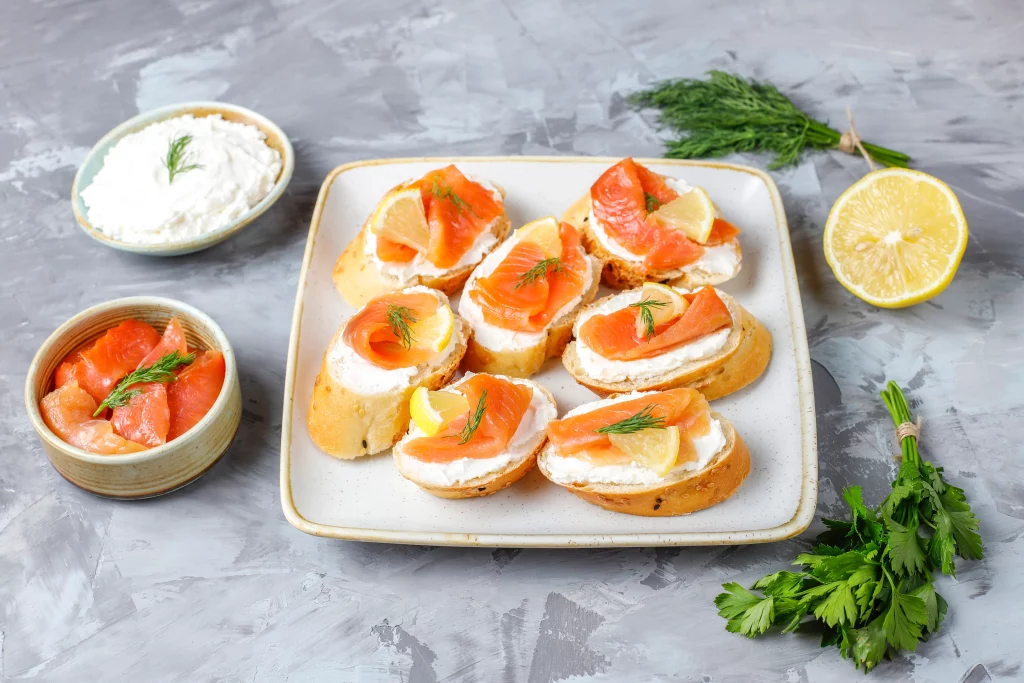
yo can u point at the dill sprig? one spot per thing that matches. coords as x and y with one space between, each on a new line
446 192
543 267
651 202
644 419
178 157
399 320
646 315
474 419
160 371
726 114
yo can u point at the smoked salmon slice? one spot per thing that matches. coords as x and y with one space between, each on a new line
101 366
457 210
147 417
614 335
370 334
195 391
173 339
504 404
68 410
70 367
507 301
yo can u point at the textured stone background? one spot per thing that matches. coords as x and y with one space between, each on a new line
211 583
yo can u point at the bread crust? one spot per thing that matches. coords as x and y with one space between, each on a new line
348 425
480 486
678 494
622 274
739 362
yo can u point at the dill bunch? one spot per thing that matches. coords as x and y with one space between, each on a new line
726 114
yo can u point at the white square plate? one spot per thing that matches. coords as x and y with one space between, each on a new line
368 500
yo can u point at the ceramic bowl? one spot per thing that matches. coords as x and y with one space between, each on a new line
157 470
94 162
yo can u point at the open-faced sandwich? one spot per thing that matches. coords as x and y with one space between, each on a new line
652 454
646 226
659 337
476 436
432 231
521 301
394 344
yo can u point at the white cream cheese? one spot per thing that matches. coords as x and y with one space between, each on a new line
133 200
601 368
529 434
419 265
498 338
569 469
356 373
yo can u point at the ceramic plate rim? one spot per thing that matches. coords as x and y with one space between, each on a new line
806 506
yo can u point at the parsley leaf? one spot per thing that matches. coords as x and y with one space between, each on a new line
904 619
904 548
746 613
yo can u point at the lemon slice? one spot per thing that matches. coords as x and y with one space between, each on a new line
693 213
544 232
435 331
895 237
401 218
667 305
655 449
432 410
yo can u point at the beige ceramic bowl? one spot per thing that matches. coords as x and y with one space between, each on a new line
158 470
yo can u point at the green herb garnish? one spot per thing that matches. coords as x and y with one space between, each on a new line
642 420
446 192
651 202
473 423
868 581
646 316
726 114
399 320
178 157
160 371
548 265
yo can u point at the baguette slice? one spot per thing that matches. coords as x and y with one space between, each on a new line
739 362
359 279
347 425
677 494
487 484
621 273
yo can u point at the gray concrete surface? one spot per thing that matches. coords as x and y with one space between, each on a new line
211 583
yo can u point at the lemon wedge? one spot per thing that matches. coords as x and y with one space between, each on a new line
400 217
693 213
544 232
655 449
666 304
432 410
895 237
435 331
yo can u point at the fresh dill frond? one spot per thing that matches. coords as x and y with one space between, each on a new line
178 157
548 265
474 419
646 315
725 114
651 202
644 419
160 371
446 192
399 320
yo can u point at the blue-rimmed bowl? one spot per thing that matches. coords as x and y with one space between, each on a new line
230 112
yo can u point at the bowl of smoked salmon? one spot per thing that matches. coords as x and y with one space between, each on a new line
134 397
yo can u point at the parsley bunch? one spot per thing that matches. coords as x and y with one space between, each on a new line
867 583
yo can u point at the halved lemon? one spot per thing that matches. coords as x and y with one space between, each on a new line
693 213
895 237
656 449
401 218
435 331
432 410
666 305
544 232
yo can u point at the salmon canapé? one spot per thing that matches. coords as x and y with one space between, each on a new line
383 331
623 199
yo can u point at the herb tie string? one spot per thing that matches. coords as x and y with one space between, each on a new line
850 142
905 429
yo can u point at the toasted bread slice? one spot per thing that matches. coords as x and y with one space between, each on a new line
621 273
679 493
739 362
347 424
358 278
487 484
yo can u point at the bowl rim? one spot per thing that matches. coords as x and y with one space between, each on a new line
141 120
175 306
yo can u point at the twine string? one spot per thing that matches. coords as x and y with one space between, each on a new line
850 142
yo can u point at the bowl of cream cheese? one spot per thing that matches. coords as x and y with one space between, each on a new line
181 178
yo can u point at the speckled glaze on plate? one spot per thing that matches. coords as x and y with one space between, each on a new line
158 470
230 112
367 500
